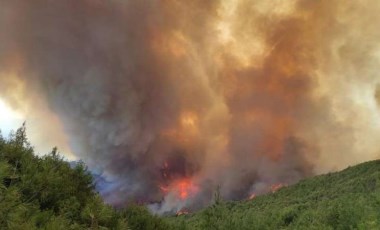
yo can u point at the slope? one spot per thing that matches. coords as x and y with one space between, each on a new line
349 199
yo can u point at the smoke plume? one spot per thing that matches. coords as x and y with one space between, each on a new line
171 99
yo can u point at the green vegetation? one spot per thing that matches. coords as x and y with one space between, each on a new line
349 199
46 193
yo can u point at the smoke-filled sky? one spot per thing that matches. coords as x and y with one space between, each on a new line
170 99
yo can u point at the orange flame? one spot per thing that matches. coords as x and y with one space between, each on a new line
276 187
182 188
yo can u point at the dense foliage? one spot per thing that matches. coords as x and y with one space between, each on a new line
46 193
349 199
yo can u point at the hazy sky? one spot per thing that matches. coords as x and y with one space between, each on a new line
39 133
9 119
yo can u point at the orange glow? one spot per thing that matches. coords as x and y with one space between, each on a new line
182 212
252 196
164 189
185 188
276 187
172 43
189 120
186 130
173 97
182 188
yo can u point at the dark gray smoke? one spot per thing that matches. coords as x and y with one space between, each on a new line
170 99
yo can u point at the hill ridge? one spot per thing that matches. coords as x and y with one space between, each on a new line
347 199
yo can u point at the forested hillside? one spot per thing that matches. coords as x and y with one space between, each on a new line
349 199
46 193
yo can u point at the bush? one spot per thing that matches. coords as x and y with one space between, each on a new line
46 193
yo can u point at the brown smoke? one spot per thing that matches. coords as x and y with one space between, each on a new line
377 94
173 98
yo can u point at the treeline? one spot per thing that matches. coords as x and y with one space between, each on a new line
46 193
349 199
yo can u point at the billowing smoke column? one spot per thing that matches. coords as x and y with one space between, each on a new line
171 99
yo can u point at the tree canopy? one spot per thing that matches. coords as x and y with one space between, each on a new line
47 193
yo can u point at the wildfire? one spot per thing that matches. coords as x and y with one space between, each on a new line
252 196
182 212
182 188
276 187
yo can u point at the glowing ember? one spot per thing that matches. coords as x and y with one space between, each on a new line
182 212
164 189
276 187
252 196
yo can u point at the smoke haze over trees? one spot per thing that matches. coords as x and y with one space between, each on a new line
170 99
